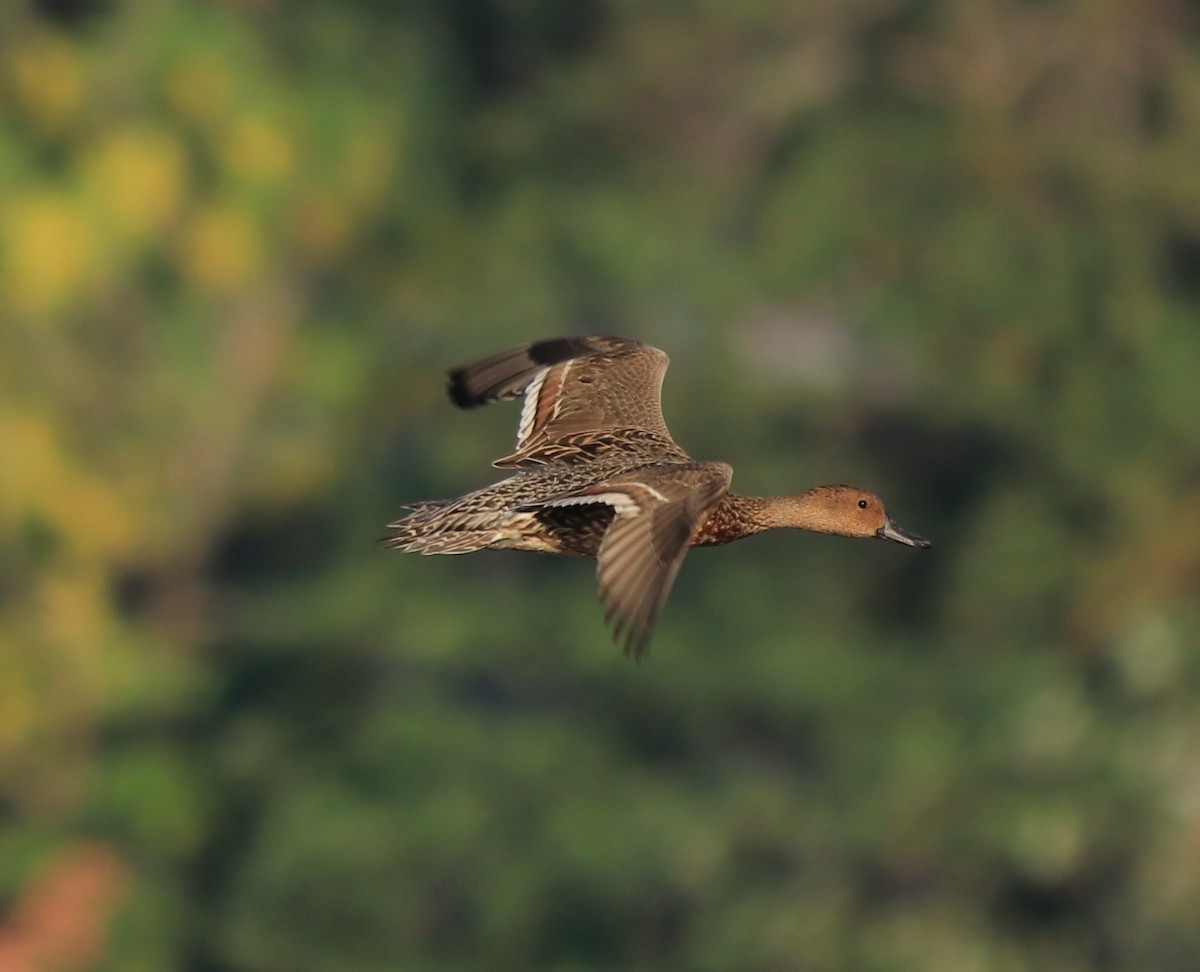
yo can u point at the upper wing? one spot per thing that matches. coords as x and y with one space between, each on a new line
571 386
657 512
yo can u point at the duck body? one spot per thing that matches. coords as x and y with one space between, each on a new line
598 475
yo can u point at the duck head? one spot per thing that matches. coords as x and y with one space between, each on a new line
853 512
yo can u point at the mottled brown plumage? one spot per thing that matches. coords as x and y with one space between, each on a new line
598 475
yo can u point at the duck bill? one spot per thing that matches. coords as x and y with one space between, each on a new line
890 531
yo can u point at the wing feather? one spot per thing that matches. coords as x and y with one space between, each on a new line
571 386
657 509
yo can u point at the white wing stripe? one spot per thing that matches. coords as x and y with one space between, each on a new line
529 406
649 489
623 503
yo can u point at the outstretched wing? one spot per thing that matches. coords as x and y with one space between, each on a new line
657 512
572 387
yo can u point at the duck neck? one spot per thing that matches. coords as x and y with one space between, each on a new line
743 516
738 516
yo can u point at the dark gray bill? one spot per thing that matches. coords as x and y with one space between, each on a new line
889 531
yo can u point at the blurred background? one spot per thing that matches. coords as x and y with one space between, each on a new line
949 252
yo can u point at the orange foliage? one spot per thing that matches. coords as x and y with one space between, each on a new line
60 921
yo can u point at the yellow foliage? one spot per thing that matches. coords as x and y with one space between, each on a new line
137 177
54 644
47 80
40 478
17 707
223 249
321 227
76 616
369 169
49 252
201 88
257 152
56 641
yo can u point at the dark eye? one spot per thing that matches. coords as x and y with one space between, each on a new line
862 504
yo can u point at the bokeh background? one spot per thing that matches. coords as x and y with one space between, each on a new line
948 251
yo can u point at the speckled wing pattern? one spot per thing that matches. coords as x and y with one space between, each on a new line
657 511
585 398
597 473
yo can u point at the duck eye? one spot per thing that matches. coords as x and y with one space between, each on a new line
862 504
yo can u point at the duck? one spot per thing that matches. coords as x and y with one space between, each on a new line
595 473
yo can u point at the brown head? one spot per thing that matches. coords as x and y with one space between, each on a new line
847 512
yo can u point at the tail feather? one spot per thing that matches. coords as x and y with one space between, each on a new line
447 542
427 530
418 508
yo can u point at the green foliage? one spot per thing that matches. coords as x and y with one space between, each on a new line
945 251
